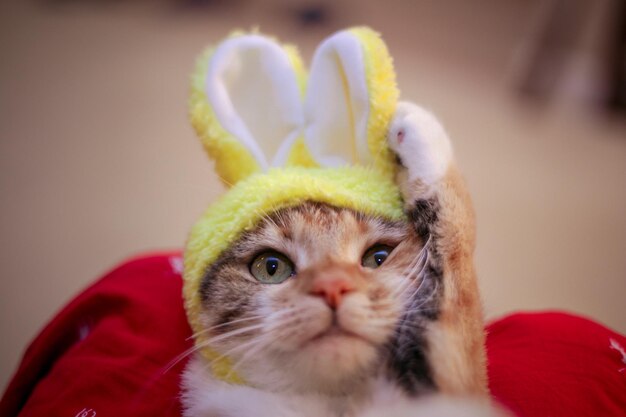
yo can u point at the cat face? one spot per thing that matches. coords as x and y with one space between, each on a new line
311 298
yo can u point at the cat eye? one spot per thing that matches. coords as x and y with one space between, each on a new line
271 268
375 256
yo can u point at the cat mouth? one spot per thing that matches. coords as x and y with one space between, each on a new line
335 332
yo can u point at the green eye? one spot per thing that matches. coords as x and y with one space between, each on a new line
271 268
375 256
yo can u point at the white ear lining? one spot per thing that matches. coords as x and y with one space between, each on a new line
252 87
336 106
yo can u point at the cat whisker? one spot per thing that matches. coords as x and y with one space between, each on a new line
275 218
411 279
421 309
237 348
262 345
249 318
183 355
254 348
414 270
210 341
412 318
202 345
246 329
419 268
233 333
403 290
409 300
228 323
252 343
418 259
280 326
421 260
405 284
409 313
253 351
427 299
266 217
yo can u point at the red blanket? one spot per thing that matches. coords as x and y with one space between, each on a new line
112 352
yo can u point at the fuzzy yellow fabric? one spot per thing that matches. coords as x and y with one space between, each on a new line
383 94
233 162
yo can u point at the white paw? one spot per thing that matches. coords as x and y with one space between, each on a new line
420 142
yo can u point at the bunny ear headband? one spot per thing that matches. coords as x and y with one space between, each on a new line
279 139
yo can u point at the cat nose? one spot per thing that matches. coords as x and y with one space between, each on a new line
332 289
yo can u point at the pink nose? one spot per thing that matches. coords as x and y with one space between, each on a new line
332 289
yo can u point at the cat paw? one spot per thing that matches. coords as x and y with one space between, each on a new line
420 143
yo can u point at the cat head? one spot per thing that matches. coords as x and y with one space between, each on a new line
280 140
310 298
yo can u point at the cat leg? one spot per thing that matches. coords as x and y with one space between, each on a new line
449 322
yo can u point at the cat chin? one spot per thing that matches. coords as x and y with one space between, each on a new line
333 356
330 364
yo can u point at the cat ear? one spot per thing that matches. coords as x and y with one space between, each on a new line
350 99
246 104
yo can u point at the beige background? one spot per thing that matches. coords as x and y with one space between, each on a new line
98 162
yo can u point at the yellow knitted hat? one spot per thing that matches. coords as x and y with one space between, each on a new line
277 143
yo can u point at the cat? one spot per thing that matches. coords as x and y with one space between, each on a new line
371 317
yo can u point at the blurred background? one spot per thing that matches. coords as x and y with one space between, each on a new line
98 161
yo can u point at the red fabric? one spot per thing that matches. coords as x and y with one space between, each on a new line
556 364
112 352
107 353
